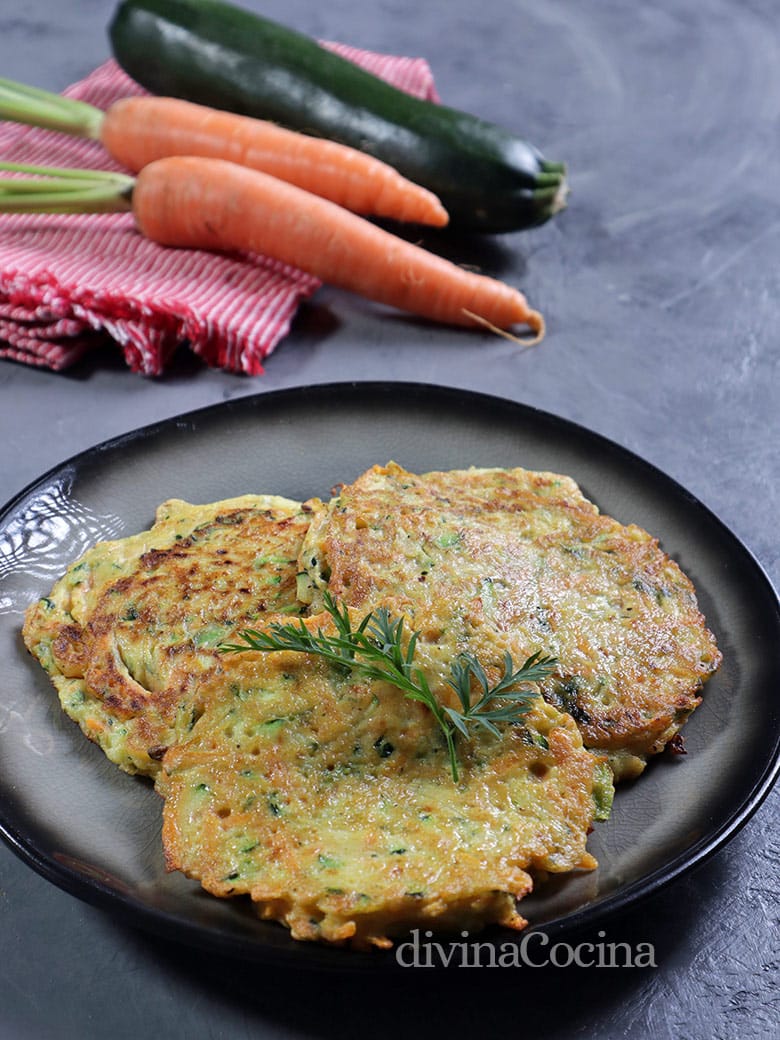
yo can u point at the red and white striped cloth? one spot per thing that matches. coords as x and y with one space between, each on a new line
71 283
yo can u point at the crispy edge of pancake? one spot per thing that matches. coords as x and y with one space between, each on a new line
629 740
550 488
254 809
67 607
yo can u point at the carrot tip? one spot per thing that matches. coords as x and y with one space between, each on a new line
534 320
440 217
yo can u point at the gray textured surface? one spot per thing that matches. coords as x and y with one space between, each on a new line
661 285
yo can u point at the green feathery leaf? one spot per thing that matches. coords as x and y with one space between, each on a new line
375 649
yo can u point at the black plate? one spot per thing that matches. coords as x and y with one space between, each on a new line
94 831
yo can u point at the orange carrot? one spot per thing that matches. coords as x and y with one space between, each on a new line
197 203
212 204
136 131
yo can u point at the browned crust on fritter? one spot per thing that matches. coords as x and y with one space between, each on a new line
137 647
282 795
533 560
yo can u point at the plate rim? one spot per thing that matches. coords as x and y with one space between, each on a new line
161 922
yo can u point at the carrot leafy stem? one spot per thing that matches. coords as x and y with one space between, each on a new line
23 104
377 649
55 189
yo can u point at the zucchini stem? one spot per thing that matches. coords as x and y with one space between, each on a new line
33 107
553 196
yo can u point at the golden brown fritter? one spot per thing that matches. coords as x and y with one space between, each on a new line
130 632
329 800
527 557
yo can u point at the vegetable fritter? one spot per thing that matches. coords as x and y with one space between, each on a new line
327 797
525 556
132 629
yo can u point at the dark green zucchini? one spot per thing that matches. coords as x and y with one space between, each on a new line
219 55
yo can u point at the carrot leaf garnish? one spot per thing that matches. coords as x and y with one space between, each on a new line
378 649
